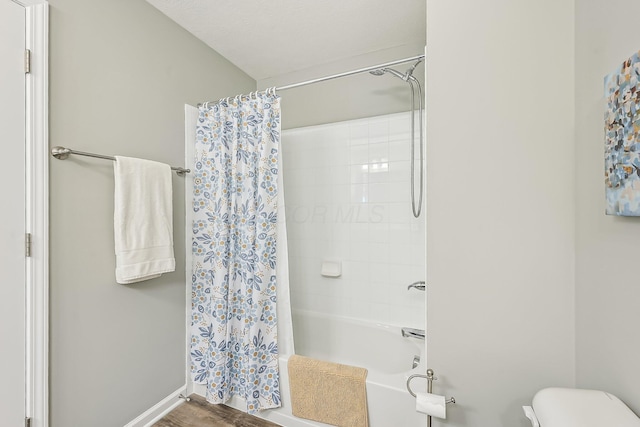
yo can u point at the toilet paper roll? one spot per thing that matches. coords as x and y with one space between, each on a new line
431 404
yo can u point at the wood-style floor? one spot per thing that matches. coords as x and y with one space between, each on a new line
199 413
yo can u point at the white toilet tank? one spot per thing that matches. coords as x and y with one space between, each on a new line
569 407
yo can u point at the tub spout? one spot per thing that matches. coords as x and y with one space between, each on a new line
413 333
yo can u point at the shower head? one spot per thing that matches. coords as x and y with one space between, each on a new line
381 71
414 84
398 74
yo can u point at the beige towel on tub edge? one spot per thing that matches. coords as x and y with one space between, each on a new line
328 392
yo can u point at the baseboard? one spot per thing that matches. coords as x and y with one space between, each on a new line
159 410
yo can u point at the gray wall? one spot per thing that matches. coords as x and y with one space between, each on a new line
500 204
607 289
347 98
120 74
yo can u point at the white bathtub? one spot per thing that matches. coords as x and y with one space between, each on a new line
380 348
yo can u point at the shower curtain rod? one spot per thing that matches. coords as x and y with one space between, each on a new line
62 153
349 73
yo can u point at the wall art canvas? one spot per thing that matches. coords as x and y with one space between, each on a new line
622 138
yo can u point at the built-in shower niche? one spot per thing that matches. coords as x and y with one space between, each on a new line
348 198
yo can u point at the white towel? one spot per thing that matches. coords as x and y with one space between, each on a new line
143 220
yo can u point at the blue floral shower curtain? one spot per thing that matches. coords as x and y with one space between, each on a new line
234 348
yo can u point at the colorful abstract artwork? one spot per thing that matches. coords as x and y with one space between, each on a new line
622 139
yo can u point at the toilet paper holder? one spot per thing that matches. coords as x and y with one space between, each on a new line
430 379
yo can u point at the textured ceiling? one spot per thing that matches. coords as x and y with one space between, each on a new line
270 38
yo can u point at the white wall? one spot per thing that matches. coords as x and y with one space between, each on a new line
347 193
120 74
607 290
500 218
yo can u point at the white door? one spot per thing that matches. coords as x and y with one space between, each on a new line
12 215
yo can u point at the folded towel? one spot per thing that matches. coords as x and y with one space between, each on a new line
328 392
143 220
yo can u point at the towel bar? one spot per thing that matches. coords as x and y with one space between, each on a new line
61 153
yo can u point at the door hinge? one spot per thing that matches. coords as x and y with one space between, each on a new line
27 245
27 422
27 61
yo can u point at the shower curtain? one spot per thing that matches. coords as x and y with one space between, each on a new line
237 248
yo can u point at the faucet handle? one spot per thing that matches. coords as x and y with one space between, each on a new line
419 285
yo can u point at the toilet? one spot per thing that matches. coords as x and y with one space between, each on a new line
570 407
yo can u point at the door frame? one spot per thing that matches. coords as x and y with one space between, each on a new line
37 212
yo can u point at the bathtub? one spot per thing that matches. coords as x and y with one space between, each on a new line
380 348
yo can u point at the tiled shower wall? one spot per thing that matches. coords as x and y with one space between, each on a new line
348 199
